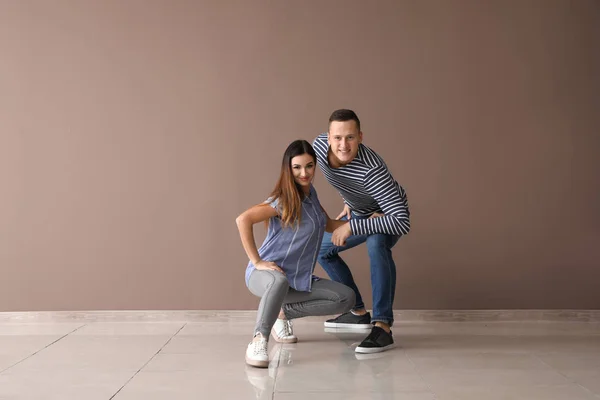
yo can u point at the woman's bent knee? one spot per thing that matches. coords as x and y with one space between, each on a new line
262 281
347 299
279 281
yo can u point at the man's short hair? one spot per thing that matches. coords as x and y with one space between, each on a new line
344 115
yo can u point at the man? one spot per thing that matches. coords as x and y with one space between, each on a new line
377 208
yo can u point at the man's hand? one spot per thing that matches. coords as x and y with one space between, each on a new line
339 236
375 215
345 212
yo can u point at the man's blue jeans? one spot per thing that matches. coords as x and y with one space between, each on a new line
383 270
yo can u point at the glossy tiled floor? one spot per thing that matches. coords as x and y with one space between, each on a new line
205 360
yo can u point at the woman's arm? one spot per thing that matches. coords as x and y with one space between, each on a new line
245 222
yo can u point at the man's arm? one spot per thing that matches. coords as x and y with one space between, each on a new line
332 224
380 184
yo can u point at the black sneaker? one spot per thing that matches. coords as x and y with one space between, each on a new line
377 341
350 321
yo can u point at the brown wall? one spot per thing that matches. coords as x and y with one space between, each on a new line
132 133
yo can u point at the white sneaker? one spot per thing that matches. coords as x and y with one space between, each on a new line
256 353
283 332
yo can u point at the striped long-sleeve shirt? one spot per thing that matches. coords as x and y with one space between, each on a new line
367 187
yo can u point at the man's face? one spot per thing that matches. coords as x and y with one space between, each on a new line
344 138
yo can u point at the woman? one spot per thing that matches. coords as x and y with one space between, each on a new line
281 271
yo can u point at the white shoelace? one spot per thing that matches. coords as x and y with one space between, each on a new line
287 327
259 348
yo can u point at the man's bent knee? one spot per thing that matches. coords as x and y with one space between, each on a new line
379 240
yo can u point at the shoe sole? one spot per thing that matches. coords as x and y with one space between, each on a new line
347 326
282 340
371 350
369 356
353 332
257 363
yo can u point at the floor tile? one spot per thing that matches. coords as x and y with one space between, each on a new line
355 396
45 329
184 385
130 328
554 392
60 385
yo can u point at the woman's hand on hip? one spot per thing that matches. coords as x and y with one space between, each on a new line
268 265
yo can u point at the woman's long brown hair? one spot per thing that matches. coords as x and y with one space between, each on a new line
286 191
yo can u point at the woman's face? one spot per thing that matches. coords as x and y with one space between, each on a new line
303 170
